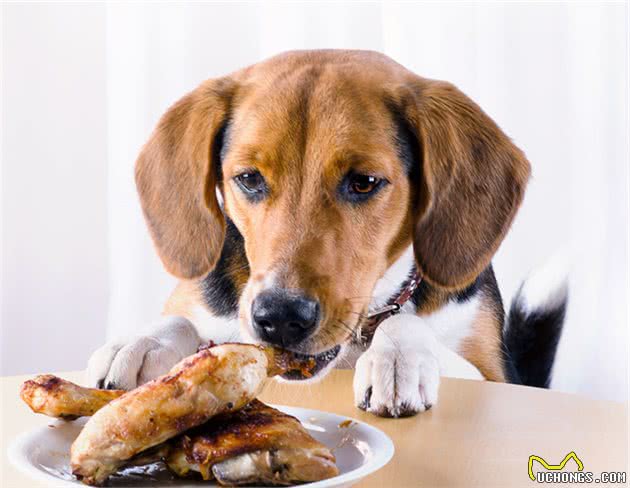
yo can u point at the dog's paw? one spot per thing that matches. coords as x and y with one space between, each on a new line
126 364
396 377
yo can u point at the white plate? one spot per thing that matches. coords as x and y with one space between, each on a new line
360 449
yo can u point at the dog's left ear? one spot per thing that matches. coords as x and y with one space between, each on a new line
471 181
177 176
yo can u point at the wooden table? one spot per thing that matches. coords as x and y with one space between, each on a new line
479 434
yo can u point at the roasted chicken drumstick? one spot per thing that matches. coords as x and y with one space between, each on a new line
56 397
213 381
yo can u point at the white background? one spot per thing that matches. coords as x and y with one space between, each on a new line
83 85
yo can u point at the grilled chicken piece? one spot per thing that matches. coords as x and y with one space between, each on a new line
256 445
55 397
213 381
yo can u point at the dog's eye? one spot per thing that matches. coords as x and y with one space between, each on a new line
251 182
358 187
363 184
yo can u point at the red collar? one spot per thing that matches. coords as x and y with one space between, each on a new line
394 306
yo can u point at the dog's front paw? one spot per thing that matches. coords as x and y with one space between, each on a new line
126 364
396 377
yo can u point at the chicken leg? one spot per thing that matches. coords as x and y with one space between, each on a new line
56 397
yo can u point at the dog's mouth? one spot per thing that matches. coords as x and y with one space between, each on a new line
317 363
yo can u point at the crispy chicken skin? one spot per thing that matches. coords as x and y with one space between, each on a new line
211 382
255 445
55 397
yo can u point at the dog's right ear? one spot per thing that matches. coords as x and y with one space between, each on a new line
176 177
470 182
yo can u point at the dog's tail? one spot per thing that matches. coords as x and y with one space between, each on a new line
534 325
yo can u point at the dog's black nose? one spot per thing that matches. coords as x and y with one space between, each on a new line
284 318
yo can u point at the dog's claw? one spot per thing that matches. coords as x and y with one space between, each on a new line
365 404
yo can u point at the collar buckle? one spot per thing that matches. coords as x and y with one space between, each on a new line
394 308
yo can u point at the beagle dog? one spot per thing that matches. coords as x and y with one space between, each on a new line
306 199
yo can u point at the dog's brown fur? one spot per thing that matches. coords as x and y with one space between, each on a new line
483 346
304 119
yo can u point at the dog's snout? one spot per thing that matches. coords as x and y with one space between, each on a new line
284 318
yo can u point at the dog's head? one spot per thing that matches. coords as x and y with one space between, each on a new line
330 164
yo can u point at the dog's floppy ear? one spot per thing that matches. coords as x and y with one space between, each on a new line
471 181
176 177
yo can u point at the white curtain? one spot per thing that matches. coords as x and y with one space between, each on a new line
554 77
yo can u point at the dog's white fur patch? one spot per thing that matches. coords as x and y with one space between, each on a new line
269 281
393 278
212 328
546 287
453 322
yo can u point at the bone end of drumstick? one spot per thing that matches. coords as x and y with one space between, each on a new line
280 361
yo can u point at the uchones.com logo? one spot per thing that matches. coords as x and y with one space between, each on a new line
564 472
